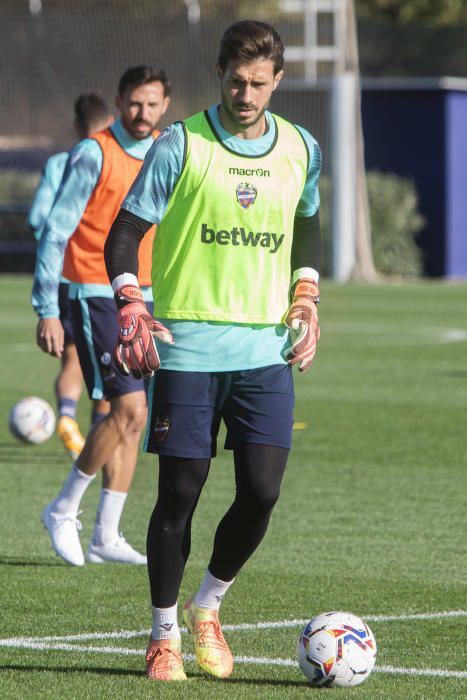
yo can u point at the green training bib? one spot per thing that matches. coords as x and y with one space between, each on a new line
222 250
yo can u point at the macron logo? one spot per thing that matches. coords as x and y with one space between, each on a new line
238 236
259 172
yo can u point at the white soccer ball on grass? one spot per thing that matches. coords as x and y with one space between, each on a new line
32 420
336 649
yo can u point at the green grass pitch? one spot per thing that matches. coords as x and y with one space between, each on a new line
372 519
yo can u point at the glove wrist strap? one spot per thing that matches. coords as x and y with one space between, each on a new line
306 288
128 294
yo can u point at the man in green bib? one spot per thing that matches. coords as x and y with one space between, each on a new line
234 192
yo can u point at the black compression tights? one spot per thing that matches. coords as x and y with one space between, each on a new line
258 475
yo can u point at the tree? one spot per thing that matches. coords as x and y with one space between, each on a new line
403 12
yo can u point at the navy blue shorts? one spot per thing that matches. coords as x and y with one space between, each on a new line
186 408
95 330
65 315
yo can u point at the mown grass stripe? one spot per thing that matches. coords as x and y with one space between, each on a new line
255 660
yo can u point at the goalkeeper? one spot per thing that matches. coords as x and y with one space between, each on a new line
234 191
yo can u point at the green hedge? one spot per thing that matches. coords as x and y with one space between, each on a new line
17 189
17 186
395 223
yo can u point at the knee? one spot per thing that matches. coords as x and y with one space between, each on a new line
172 513
173 526
138 417
261 500
129 416
269 500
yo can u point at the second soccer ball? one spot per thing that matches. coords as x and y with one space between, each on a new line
32 420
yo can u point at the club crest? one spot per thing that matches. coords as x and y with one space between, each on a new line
161 429
246 194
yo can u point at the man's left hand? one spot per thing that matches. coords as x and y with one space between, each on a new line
302 321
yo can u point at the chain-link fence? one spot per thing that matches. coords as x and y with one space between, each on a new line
52 50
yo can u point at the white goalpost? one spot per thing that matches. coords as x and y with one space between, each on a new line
330 58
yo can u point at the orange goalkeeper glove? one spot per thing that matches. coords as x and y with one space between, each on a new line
302 321
136 349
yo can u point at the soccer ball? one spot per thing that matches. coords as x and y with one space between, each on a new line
32 420
336 649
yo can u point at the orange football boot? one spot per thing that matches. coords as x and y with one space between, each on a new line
164 660
212 652
70 434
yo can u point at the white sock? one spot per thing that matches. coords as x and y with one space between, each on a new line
109 512
165 623
72 492
211 592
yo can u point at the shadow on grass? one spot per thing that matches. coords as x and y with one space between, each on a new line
18 445
140 674
75 669
249 681
455 373
9 561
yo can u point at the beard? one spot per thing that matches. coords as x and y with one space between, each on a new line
132 128
231 111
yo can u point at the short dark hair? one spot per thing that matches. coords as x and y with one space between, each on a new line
249 40
142 75
90 108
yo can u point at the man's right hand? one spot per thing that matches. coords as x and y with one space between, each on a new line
136 349
50 336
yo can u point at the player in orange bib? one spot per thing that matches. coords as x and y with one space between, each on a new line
97 176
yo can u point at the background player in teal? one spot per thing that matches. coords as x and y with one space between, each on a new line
97 176
211 369
91 115
46 191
